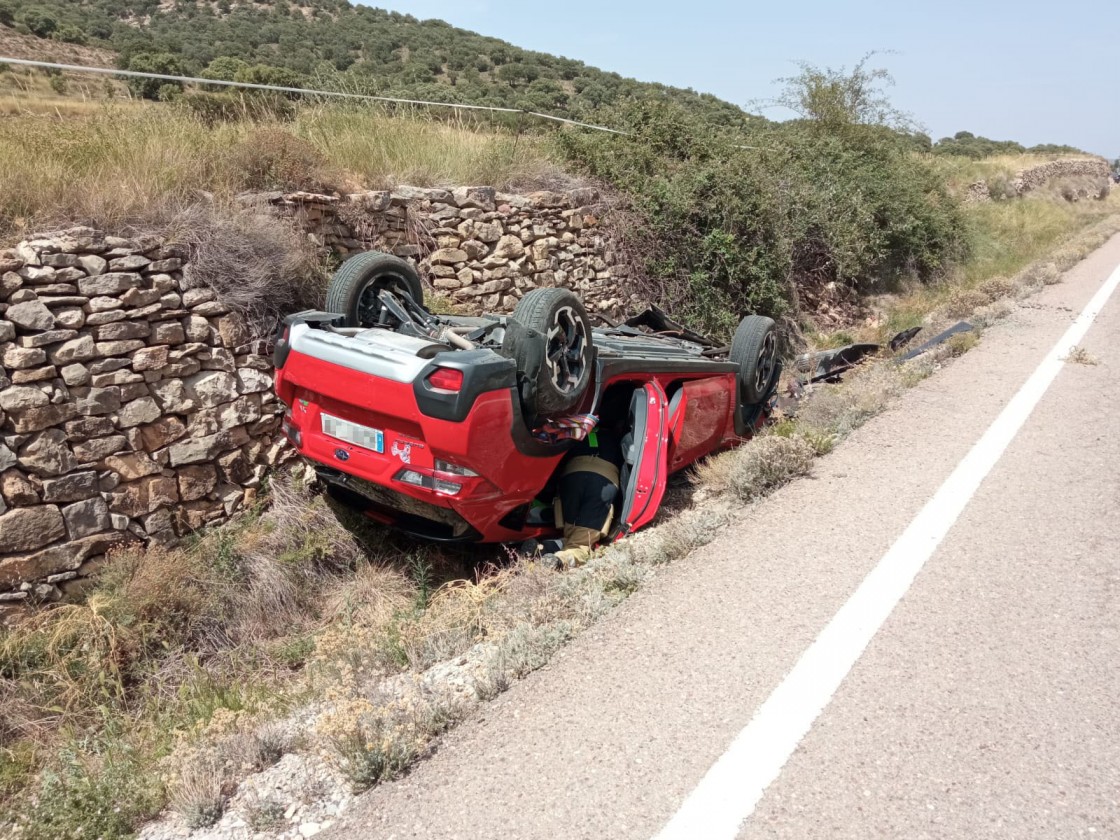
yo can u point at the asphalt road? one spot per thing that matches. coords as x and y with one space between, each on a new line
984 706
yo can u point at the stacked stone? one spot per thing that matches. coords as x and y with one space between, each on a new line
1039 176
133 405
482 248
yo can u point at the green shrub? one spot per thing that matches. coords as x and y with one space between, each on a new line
723 230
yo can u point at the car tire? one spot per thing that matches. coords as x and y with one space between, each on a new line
354 287
755 350
550 339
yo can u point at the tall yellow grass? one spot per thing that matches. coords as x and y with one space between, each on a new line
124 162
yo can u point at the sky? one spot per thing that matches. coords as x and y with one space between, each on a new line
1027 71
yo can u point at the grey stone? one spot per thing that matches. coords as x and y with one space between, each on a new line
122 330
20 358
213 387
35 419
46 454
167 332
206 448
45 338
75 374
174 396
97 449
99 318
76 350
112 283
71 488
130 263
84 428
104 303
31 315
138 412
92 264
22 397
97 400
481 198
28 528
251 381
72 318
118 348
7 331
87 517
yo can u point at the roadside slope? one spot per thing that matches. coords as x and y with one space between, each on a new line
610 738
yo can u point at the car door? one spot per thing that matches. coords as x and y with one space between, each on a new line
645 452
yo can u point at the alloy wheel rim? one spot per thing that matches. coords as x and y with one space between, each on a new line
766 358
565 347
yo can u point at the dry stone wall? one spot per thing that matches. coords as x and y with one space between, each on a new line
481 248
133 405
1035 177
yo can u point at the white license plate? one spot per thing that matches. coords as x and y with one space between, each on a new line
363 436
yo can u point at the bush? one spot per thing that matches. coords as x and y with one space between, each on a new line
724 230
162 63
274 159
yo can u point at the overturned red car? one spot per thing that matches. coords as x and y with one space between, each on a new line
431 423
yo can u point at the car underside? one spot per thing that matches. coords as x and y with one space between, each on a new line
440 424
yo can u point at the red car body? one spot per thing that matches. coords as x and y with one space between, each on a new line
436 443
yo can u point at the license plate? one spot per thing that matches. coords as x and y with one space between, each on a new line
363 436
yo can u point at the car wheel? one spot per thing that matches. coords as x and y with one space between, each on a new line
553 350
354 287
755 350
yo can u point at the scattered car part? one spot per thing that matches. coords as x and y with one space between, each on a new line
940 338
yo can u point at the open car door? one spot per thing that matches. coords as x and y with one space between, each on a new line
645 450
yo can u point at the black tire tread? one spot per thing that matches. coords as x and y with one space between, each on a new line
532 311
354 273
745 347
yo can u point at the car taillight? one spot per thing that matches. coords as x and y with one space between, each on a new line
428 482
454 469
446 379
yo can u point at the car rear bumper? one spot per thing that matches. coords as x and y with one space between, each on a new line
400 438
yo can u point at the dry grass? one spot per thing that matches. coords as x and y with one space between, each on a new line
959 172
753 471
121 164
1081 356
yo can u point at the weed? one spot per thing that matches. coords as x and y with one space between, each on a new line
197 795
370 742
1081 356
265 815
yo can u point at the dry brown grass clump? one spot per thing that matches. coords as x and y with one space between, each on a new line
757 469
124 165
272 158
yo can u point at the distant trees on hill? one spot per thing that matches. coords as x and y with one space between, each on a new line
334 43
967 144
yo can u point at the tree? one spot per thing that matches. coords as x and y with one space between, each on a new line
224 67
835 99
153 63
70 34
38 22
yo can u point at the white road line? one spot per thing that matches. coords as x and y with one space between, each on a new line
732 788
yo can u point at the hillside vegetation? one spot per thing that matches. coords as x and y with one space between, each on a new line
336 45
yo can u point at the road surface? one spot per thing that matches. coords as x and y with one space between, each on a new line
983 702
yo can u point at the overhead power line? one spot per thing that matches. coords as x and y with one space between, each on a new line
109 71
